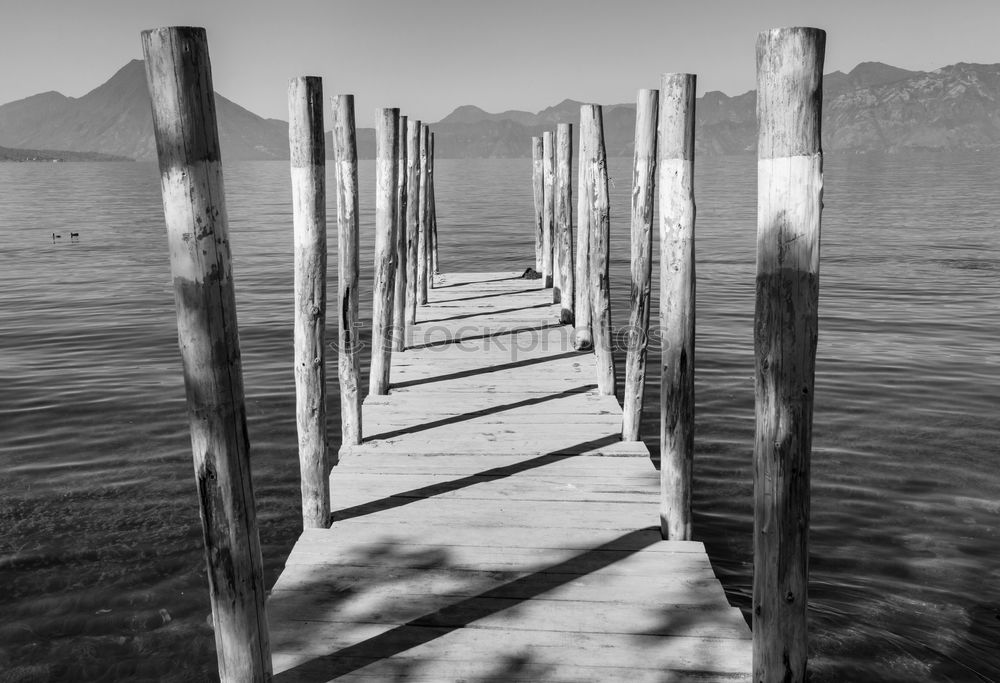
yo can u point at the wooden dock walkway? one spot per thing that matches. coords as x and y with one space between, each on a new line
493 527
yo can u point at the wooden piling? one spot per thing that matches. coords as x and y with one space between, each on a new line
423 238
790 200
179 77
399 296
600 258
643 187
386 152
307 146
538 190
583 338
548 211
677 302
345 150
412 216
563 246
432 199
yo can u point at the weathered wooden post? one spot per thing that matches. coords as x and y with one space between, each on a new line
345 151
643 187
179 76
412 215
307 146
790 200
600 258
548 211
563 246
537 188
432 199
675 149
399 297
423 238
386 152
583 338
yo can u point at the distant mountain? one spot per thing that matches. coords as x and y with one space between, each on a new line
9 154
115 118
874 108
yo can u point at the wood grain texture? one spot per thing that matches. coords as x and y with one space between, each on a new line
179 76
584 339
433 216
643 187
600 259
548 209
563 246
789 204
677 302
307 147
502 530
412 217
423 227
538 192
345 152
399 296
384 286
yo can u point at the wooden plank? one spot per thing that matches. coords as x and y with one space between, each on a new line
522 670
646 538
487 612
440 646
372 459
298 588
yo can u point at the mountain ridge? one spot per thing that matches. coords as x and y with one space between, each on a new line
875 107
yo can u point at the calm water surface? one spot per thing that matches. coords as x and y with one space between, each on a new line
100 544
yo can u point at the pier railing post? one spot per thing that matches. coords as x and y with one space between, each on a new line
790 201
643 187
600 258
399 296
307 146
677 302
423 229
548 211
563 246
432 199
412 216
179 76
583 338
345 150
538 191
386 152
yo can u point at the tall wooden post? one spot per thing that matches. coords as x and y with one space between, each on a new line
538 190
600 258
307 146
789 203
179 76
583 338
345 151
563 246
412 215
423 239
432 199
548 211
386 151
643 187
677 309
399 296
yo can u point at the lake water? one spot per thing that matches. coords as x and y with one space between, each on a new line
101 564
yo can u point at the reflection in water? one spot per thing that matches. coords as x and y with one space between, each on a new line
100 554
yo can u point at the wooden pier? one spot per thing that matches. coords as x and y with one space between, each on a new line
494 515
493 525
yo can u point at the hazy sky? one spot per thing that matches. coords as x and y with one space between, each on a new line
429 56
